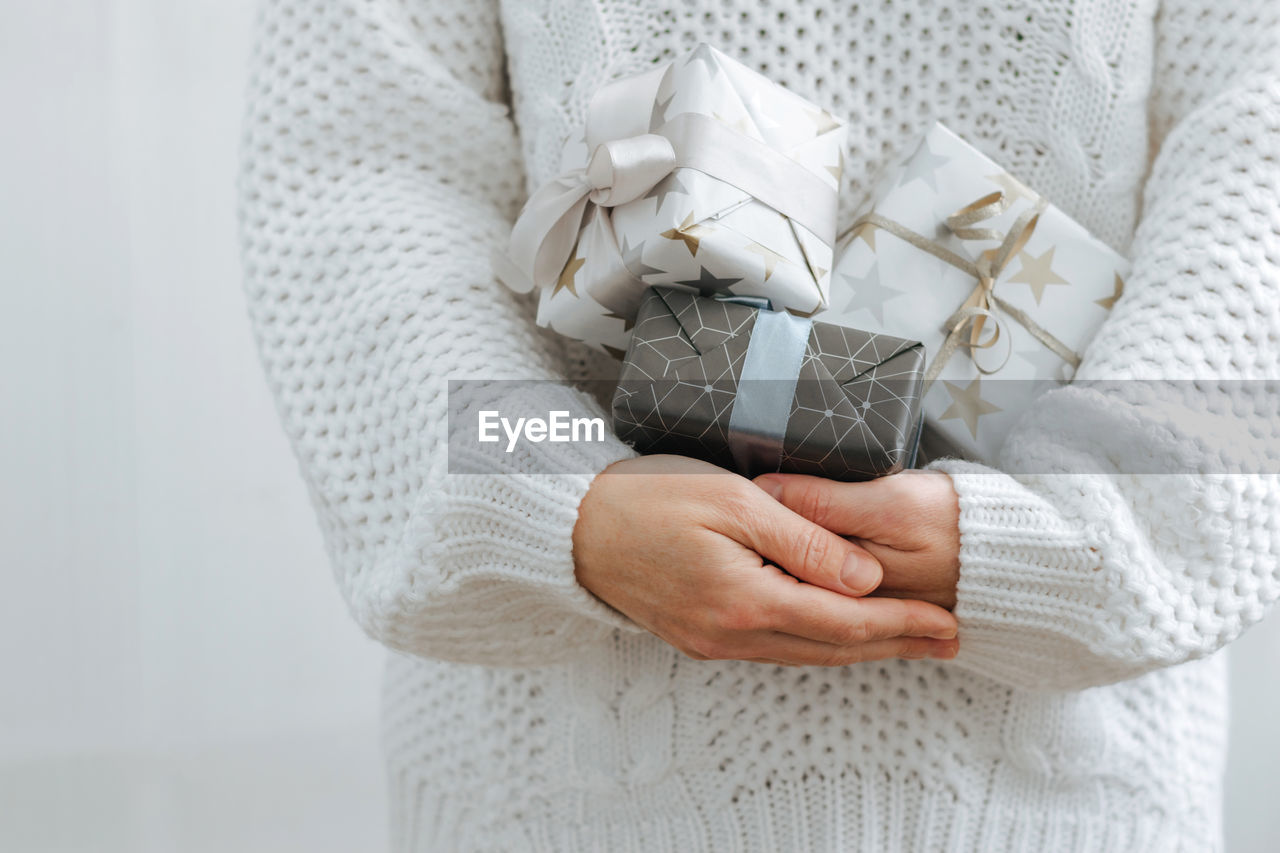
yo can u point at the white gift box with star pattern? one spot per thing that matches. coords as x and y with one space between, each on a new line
1062 280
692 230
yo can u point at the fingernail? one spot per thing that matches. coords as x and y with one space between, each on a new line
771 486
858 574
944 634
946 652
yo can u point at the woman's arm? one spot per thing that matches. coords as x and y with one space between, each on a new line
1070 579
381 165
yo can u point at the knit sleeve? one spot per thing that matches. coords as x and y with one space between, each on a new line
1138 525
380 167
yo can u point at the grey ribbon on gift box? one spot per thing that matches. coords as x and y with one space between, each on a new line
770 371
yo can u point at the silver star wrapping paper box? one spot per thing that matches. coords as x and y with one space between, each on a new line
1003 289
700 174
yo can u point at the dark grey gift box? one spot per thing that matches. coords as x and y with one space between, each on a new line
816 398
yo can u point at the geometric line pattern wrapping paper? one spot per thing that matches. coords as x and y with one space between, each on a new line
854 414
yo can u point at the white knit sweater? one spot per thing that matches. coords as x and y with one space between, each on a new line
389 145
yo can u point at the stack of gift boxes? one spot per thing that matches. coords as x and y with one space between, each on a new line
693 235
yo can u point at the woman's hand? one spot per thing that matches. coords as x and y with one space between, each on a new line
680 547
909 521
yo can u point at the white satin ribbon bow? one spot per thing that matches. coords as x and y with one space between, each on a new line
620 170
627 161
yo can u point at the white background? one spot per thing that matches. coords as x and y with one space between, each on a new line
177 671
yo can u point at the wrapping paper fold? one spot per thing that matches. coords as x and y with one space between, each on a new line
756 390
700 174
1004 289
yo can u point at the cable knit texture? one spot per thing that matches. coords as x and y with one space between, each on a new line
390 143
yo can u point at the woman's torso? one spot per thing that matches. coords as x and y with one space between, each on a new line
634 747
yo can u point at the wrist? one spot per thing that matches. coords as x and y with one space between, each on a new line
592 512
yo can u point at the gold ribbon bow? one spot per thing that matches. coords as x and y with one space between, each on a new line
965 326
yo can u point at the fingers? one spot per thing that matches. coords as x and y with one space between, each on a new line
804 549
842 507
817 616
913 574
785 621
785 650
841 621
